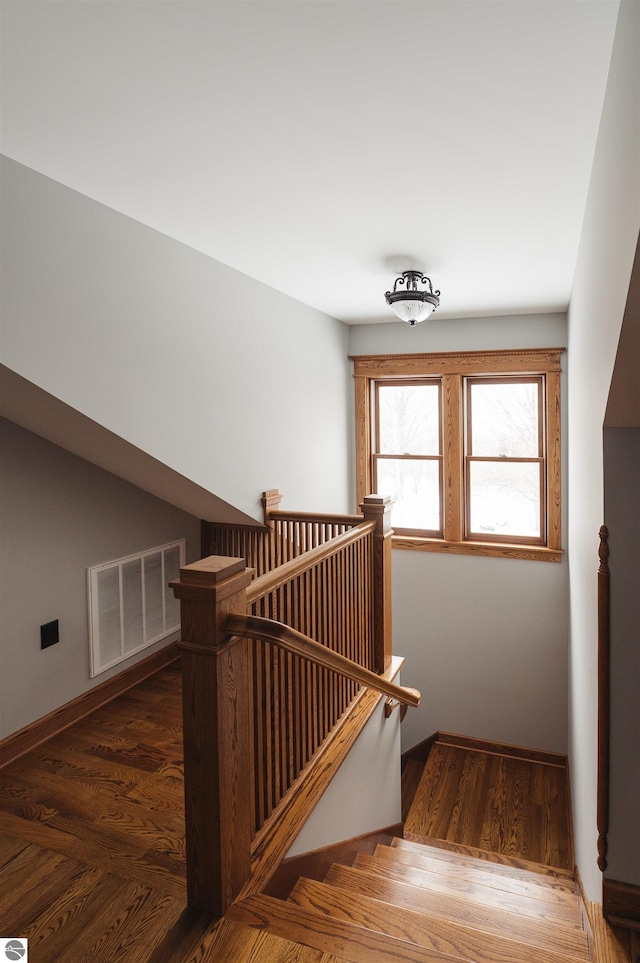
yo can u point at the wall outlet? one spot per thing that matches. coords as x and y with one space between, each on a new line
49 634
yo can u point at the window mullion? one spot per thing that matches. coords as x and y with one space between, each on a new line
452 454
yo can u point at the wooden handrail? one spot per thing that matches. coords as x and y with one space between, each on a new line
321 519
284 573
255 627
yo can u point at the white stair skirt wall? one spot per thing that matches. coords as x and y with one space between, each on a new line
131 605
365 794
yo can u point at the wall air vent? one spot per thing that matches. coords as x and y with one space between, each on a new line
131 605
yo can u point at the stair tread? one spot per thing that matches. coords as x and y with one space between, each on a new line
340 937
539 933
416 927
525 884
477 892
235 942
510 865
489 858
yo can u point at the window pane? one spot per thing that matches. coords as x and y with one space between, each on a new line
416 487
505 499
409 419
504 420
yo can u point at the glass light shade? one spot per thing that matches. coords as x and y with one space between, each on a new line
412 310
410 302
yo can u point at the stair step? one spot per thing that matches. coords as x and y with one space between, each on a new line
489 858
526 884
426 931
234 942
477 892
339 937
541 934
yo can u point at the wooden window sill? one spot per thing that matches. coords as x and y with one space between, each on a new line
536 553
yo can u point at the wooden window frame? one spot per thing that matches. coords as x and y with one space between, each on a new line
470 457
452 369
377 455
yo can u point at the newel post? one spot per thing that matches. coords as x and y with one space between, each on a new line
215 707
377 508
270 502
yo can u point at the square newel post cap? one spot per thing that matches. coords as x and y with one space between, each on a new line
378 508
217 575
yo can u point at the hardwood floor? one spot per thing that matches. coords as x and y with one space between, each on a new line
92 836
510 803
92 842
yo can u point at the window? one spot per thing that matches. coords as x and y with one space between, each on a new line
468 444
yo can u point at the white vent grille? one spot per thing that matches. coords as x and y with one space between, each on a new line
131 605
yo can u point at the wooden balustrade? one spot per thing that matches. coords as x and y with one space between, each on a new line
257 713
283 536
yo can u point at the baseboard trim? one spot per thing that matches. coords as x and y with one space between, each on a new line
591 914
621 903
422 750
33 735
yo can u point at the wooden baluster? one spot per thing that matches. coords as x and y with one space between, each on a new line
377 508
216 719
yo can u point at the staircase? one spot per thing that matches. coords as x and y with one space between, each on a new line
414 903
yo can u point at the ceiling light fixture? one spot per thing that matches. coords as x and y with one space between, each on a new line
411 303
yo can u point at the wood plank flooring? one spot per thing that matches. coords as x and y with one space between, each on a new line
504 804
92 845
92 836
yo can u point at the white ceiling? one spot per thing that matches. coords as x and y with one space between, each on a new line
323 145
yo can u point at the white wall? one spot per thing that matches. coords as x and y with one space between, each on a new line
58 516
622 516
485 638
601 283
364 795
225 380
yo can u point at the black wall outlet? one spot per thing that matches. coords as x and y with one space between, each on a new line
49 634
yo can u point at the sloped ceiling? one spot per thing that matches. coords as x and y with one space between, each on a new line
321 147
36 410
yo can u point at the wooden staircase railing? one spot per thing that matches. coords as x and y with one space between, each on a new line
283 536
252 627
268 722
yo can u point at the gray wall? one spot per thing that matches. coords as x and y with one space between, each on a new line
485 639
622 517
600 288
58 516
230 383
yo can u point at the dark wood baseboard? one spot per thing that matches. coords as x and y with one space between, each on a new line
15 745
316 864
621 904
421 751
